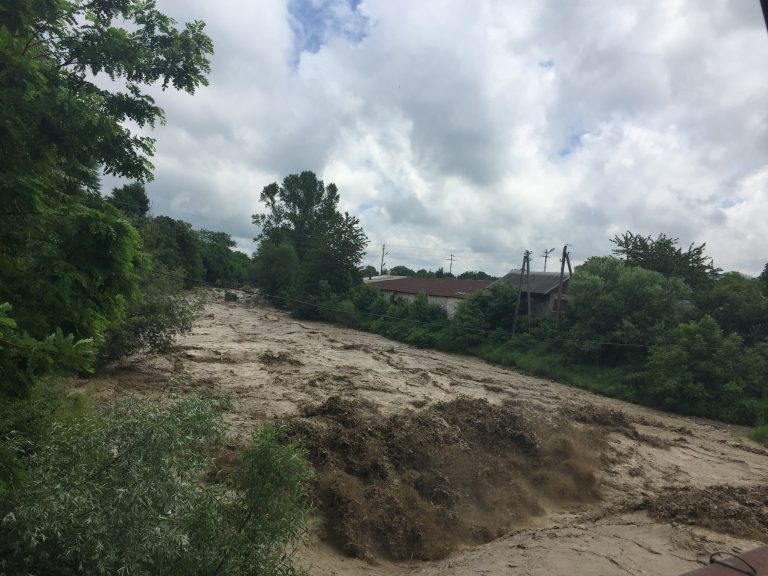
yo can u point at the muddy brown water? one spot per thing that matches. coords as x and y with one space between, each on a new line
432 463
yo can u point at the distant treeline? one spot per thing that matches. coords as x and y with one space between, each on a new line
370 271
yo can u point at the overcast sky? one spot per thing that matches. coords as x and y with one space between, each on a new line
482 128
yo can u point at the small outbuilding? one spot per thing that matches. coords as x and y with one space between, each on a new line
543 287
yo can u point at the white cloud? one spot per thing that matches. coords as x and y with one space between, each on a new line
483 127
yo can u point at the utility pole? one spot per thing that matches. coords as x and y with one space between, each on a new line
450 266
383 253
526 267
528 287
565 259
546 256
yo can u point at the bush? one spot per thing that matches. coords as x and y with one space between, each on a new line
124 491
760 434
154 322
230 297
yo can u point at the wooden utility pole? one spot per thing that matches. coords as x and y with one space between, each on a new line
563 260
450 266
546 256
383 253
528 286
526 267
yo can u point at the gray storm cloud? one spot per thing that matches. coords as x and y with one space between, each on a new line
504 125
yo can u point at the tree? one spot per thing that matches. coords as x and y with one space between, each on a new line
175 246
764 279
612 303
369 271
131 199
401 271
303 212
479 275
61 128
483 312
664 256
275 268
697 369
739 305
80 277
223 265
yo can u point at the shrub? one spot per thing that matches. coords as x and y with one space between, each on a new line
124 491
760 434
154 322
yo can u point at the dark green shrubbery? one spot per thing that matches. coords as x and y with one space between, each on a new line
163 312
629 333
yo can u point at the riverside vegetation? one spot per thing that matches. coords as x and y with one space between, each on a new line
125 488
654 323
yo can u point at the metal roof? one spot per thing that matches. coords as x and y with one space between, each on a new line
540 282
381 278
446 287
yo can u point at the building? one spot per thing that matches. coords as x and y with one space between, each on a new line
445 292
543 287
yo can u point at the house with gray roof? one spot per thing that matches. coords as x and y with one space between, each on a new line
543 288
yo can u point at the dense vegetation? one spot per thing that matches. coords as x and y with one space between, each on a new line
654 324
84 279
308 250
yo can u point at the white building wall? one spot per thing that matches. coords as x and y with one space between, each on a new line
445 302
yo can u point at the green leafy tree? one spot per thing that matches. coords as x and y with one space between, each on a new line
697 369
131 200
369 271
81 277
61 127
163 312
401 271
176 246
663 255
739 305
479 275
484 312
276 268
223 265
24 360
764 279
612 303
303 212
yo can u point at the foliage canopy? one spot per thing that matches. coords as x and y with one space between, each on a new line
303 213
664 256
